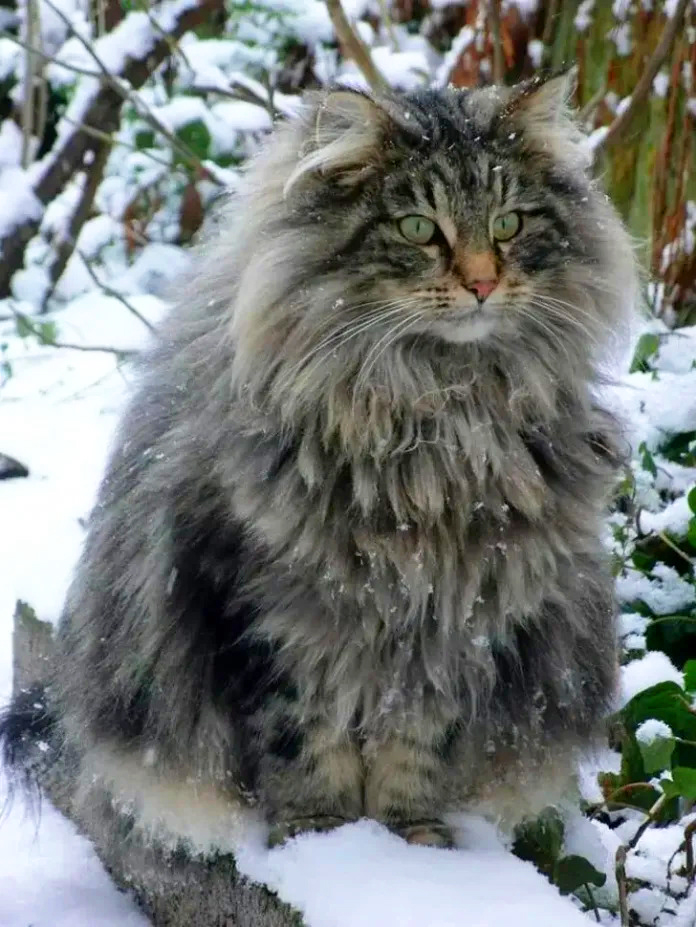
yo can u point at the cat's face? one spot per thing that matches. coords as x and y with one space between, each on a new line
420 222
468 214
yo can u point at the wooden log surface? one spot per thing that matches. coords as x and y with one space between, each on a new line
173 889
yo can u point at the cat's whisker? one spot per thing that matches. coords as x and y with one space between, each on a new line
381 347
348 330
386 310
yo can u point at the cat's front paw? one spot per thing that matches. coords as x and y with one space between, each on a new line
284 830
425 833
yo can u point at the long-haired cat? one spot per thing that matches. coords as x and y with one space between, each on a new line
346 556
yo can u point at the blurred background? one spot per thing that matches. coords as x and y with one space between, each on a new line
132 117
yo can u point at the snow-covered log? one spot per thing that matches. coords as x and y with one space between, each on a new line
358 876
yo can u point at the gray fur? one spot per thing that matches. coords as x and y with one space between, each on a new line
346 556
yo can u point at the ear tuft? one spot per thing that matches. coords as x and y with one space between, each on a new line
542 108
344 135
547 100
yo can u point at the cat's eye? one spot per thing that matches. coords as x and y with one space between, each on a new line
506 226
417 229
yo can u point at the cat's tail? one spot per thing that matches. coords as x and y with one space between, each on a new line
28 743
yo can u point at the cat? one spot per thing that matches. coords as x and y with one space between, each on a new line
346 558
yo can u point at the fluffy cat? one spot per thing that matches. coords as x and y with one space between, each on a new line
346 556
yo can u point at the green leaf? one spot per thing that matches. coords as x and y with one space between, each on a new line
691 499
24 326
690 675
646 460
539 840
144 138
657 754
196 137
572 872
691 532
684 778
647 347
47 332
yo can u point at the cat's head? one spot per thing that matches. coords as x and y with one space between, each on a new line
453 216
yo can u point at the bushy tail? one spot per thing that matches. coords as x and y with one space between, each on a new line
28 741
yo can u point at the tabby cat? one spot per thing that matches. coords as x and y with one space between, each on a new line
346 557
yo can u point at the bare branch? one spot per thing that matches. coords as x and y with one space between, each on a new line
121 143
642 91
102 111
498 61
28 322
66 244
355 48
105 288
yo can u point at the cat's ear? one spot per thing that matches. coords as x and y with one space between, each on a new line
541 107
345 130
544 100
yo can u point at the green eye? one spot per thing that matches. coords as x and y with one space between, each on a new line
507 226
417 229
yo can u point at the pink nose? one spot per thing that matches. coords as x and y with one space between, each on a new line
482 288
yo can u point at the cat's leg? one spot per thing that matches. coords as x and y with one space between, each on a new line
308 778
405 786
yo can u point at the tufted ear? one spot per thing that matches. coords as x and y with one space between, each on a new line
345 130
542 109
544 101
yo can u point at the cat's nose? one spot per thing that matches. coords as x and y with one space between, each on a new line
482 289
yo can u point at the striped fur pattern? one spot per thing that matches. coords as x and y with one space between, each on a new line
346 557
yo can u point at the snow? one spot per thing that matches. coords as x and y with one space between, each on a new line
645 672
651 730
17 200
362 875
52 877
664 591
660 84
674 519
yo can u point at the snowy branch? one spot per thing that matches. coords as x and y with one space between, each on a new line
98 104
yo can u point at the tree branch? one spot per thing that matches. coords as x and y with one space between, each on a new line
640 94
67 242
101 111
498 61
355 48
108 291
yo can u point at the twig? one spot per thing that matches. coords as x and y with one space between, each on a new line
67 242
622 853
53 59
494 20
548 27
588 109
642 90
69 345
114 293
31 69
666 540
593 903
111 141
355 48
388 24
689 832
620 870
